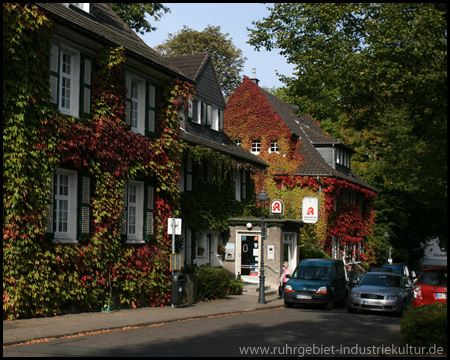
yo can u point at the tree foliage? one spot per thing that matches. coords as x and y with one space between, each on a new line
228 60
134 14
375 76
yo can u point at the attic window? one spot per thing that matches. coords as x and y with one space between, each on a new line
273 147
342 158
256 147
82 6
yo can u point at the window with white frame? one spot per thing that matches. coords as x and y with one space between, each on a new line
215 118
134 116
135 105
70 80
240 184
273 147
209 115
137 213
68 213
342 157
237 184
196 111
256 147
65 204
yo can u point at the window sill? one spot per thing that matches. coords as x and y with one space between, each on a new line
134 241
65 241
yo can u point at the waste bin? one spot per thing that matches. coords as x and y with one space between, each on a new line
177 288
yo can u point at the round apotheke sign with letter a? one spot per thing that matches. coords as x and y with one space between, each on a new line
277 207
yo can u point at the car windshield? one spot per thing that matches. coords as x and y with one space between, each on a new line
381 280
312 273
434 278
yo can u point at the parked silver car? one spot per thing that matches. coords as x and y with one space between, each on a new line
381 291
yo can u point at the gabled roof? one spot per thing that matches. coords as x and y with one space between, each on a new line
199 66
103 25
197 134
299 125
311 135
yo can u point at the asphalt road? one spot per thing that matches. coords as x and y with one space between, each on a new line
275 332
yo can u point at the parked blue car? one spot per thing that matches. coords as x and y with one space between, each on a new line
317 281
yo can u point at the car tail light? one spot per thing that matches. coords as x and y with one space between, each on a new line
417 292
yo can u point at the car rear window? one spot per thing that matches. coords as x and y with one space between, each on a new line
434 278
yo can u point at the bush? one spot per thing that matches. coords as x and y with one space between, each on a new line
236 287
213 283
425 326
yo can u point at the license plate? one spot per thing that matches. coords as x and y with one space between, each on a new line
366 302
441 296
306 297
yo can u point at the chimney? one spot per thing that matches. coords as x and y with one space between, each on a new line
254 79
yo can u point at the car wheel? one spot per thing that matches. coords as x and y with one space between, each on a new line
330 304
351 310
287 304
402 308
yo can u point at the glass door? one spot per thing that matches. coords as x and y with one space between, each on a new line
249 255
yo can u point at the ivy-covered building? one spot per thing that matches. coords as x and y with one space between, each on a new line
103 142
304 162
215 176
91 158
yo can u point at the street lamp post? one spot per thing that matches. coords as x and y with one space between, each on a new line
262 198
386 236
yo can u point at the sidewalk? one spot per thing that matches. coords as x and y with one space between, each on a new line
20 331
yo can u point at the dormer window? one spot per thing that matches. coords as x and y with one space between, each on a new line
342 157
82 6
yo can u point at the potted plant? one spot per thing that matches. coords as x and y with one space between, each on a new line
220 249
109 304
200 251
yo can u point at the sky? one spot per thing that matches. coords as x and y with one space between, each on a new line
233 18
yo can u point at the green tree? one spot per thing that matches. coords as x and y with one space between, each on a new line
375 76
134 14
228 60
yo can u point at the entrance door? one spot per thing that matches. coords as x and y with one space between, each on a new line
249 255
290 249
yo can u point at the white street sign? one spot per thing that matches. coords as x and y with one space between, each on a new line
177 226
